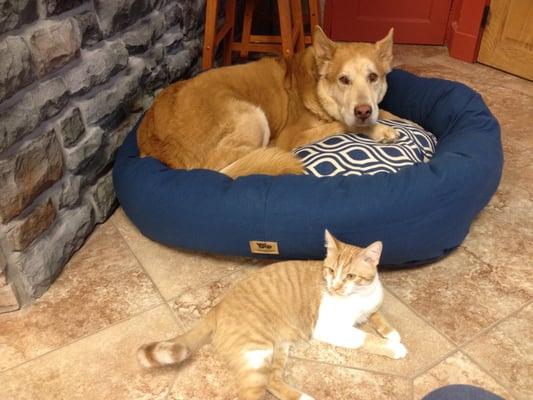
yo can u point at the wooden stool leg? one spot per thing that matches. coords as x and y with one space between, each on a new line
247 27
228 40
284 11
314 14
209 34
298 23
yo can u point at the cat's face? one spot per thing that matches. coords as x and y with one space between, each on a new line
350 269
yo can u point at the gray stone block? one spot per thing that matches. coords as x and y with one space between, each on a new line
53 44
194 45
111 99
14 13
112 140
187 16
22 231
41 103
77 157
89 29
15 66
54 7
34 169
172 13
172 40
8 299
70 127
3 265
97 67
102 197
141 35
119 14
190 15
157 4
178 64
155 74
70 190
36 268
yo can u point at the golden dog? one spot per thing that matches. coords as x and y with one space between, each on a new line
245 119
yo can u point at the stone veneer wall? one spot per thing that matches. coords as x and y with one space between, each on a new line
74 75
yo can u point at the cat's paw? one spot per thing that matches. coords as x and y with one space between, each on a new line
384 134
305 396
393 336
398 350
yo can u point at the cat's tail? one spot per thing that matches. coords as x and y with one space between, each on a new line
177 350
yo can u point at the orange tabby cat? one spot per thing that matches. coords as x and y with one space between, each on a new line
253 326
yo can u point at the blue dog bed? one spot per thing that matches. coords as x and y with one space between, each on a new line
420 213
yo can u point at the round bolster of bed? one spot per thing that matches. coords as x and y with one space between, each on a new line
420 213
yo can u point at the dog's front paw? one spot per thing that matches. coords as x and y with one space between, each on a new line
384 134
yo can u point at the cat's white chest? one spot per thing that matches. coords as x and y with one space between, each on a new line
342 311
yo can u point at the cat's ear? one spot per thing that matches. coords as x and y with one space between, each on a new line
332 245
372 253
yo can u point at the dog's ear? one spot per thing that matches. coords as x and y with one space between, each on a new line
384 49
324 47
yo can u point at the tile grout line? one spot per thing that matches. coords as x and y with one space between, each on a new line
349 367
201 285
457 347
186 290
110 325
462 350
483 369
179 322
489 327
137 259
417 313
80 338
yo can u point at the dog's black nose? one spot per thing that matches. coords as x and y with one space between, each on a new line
363 112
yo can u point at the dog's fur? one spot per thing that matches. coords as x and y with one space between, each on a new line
225 119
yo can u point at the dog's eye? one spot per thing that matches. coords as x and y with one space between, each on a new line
372 77
344 80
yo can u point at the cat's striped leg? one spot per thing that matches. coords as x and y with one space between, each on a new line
276 385
385 347
383 327
354 338
253 368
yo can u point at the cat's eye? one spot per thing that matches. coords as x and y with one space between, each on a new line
344 80
372 77
350 276
330 271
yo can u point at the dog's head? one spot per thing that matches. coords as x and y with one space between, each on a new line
351 79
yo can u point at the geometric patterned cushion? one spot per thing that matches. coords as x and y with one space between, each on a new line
353 154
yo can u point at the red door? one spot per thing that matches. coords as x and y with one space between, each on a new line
414 21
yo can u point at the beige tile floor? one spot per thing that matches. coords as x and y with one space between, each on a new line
465 319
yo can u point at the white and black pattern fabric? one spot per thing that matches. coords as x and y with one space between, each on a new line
354 154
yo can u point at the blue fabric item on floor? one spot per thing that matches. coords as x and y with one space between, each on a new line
461 392
420 213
